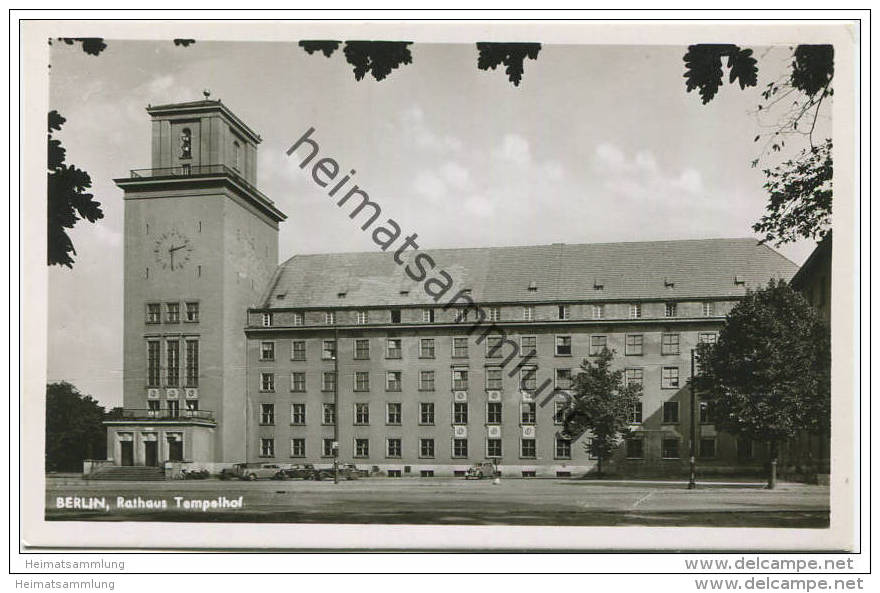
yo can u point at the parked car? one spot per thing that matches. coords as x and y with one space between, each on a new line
302 471
347 471
254 471
480 470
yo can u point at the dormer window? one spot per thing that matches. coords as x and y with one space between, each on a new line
340 295
533 286
598 285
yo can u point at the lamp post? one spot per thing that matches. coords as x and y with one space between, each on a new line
692 483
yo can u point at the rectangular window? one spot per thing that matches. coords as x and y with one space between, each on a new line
192 363
328 350
153 406
362 349
267 413
362 413
426 413
395 315
362 447
393 380
563 311
298 381
328 414
528 412
563 378
744 448
461 315
598 311
707 448
393 413
671 309
636 376
670 449
494 313
708 337
363 317
634 345
427 315
426 347
392 349
708 309
267 381
192 405
172 312
527 449
267 351
328 381
297 414
670 412
563 345
459 448
192 312
297 447
172 356
298 350
267 447
173 408
493 347
460 379
329 317
528 344
394 448
669 378
426 381
635 448
669 344
528 313
493 378
559 409
298 318
528 378
154 313
598 344
267 319
563 449
493 413
493 448
153 365
705 413
426 448
635 311
459 347
460 413
635 415
327 449
361 381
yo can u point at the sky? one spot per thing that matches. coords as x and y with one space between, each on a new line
597 144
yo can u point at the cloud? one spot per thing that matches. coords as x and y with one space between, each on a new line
413 124
641 177
515 149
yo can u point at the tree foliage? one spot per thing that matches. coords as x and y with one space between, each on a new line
768 377
511 55
800 197
90 45
378 58
74 429
68 200
801 187
703 64
601 403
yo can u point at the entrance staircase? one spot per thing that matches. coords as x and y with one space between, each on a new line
128 473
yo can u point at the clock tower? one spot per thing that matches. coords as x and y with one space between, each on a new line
201 242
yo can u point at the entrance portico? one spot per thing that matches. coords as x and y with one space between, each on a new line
145 438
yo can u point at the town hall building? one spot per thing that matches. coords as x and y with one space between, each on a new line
230 357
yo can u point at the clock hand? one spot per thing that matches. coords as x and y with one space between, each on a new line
173 249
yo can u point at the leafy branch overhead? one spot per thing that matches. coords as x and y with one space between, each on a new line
68 200
512 55
378 58
703 63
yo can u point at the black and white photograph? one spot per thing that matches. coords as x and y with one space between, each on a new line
318 283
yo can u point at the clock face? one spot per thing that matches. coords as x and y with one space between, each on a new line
172 250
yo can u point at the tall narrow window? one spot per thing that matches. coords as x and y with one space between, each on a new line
564 311
671 309
460 379
154 313
329 317
459 347
267 413
192 363
186 143
267 351
363 317
393 348
236 155
172 312
172 353
153 363
428 315
635 310
192 312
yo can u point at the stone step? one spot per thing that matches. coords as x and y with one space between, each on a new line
128 473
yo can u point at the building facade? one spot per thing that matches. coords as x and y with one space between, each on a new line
230 357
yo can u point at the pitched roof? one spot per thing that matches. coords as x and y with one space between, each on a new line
690 269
